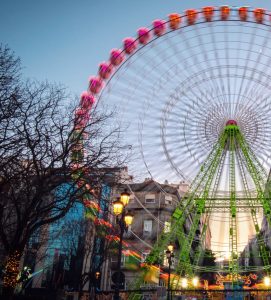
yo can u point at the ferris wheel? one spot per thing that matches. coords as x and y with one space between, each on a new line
180 86
176 85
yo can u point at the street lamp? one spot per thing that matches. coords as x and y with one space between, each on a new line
184 283
124 219
96 283
170 255
266 281
195 281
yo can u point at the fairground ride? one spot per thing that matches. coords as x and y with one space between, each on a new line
194 96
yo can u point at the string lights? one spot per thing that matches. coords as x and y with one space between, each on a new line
11 270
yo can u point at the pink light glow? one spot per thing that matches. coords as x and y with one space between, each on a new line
143 35
87 100
76 166
116 57
95 84
81 118
159 27
129 45
231 122
105 70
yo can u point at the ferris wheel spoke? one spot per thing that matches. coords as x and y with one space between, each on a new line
263 51
245 69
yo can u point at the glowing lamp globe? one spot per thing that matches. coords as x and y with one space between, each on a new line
117 207
195 281
128 219
170 247
125 198
266 281
184 283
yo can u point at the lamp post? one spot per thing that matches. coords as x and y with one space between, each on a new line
124 219
170 255
96 284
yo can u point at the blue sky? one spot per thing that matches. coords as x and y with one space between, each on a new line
64 41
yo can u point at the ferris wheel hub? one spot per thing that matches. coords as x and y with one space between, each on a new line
231 122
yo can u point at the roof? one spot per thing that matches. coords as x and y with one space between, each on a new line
153 186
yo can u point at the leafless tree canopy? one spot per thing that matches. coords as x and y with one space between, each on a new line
37 137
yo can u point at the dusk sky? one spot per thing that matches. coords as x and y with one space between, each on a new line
64 41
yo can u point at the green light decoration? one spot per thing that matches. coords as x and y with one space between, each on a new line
200 201
207 66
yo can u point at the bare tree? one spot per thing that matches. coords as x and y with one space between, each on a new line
51 155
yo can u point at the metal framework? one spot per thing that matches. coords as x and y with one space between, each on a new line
202 199
182 80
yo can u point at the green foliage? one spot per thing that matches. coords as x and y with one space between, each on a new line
208 261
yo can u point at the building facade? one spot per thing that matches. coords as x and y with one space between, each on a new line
152 205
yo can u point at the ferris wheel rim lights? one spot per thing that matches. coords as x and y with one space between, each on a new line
144 36
159 28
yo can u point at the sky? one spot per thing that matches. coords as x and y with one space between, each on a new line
64 41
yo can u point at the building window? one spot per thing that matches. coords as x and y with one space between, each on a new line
168 199
147 228
167 226
150 198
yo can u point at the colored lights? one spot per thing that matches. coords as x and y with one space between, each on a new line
129 45
184 283
191 15
143 35
159 27
116 57
266 281
174 21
